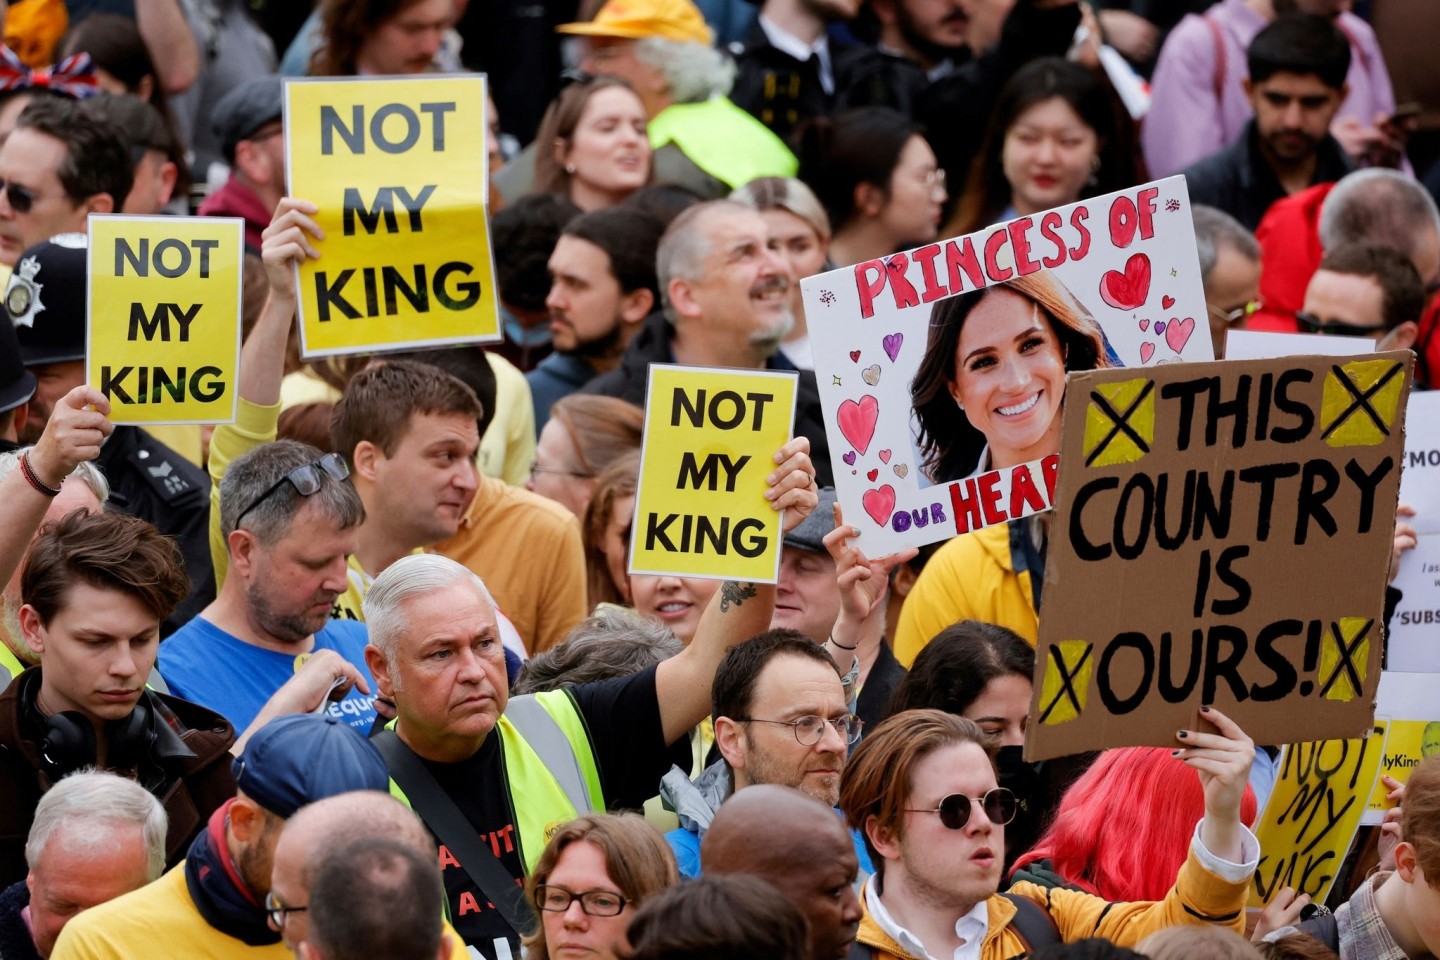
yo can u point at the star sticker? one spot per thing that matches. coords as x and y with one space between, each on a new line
835 381
1173 272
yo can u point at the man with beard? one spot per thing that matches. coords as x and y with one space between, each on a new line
290 520
602 289
781 718
726 299
1296 85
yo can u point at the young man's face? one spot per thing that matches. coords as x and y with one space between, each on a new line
423 491
96 652
1293 113
408 41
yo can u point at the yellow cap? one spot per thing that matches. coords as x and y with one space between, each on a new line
636 19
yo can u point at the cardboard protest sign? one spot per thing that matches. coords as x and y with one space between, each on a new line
1313 813
397 168
163 305
1416 623
941 369
710 439
1243 511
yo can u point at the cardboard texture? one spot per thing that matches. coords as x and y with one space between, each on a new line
710 440
1313 813
397 166
162 309
1110 281
1222 536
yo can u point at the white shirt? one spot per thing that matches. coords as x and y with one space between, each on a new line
973 926
791 45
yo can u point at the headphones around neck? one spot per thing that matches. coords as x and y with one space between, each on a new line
68 743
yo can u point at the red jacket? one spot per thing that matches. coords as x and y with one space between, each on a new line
1289 238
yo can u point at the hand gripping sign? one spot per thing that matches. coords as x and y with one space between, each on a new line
1222 536
397 167
163 310
942 369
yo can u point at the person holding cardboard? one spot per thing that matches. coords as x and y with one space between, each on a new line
922 787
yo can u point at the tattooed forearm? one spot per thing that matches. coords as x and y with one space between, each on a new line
732 593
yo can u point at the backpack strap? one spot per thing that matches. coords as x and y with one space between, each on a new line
544 736
1034 924
1218 82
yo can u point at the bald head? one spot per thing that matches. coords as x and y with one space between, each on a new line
321 828
797 844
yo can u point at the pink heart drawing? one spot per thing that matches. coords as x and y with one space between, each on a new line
1167 301
849 459
891 342
1177 334
1144 324
1147 350
884 456
857 421
879 503
1128 290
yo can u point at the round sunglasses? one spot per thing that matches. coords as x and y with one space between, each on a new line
999 805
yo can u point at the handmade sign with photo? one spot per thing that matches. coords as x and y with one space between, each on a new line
942 369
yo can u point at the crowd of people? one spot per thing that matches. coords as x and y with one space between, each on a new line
364 672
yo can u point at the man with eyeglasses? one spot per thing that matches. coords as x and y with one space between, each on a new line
922 787
1229 271
248 123
213 903
1365 290
781 717
62 163
324 827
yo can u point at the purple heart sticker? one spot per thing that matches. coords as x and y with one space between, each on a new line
849 459
892 342
1160 326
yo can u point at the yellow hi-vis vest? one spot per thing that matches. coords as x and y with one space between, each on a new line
548 769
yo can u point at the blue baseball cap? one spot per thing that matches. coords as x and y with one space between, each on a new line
301 758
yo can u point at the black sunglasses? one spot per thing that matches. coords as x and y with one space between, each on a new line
22 199
306 479
1333 328
999 805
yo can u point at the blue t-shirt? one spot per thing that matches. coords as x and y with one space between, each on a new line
208 666
686 847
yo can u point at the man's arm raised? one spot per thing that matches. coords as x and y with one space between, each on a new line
738 611
77 427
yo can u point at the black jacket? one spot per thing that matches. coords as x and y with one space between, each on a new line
150 481
1240 181
652 345
782 92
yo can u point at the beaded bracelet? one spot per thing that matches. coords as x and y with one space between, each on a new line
34 480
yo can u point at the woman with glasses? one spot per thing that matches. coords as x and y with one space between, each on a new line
594 874
1058 134
1123 828
877 179
584 435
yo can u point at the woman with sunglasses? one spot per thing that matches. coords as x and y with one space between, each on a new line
593 875
922 786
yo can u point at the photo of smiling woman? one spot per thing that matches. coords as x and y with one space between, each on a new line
989 389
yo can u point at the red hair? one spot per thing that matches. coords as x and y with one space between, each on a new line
1123 829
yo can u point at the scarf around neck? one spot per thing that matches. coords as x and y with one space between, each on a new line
223 898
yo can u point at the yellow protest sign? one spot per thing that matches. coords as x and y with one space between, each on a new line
397 168
1408 742
163 316
700 507
1313 813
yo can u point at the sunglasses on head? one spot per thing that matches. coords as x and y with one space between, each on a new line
1332 328
306 479
999 805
